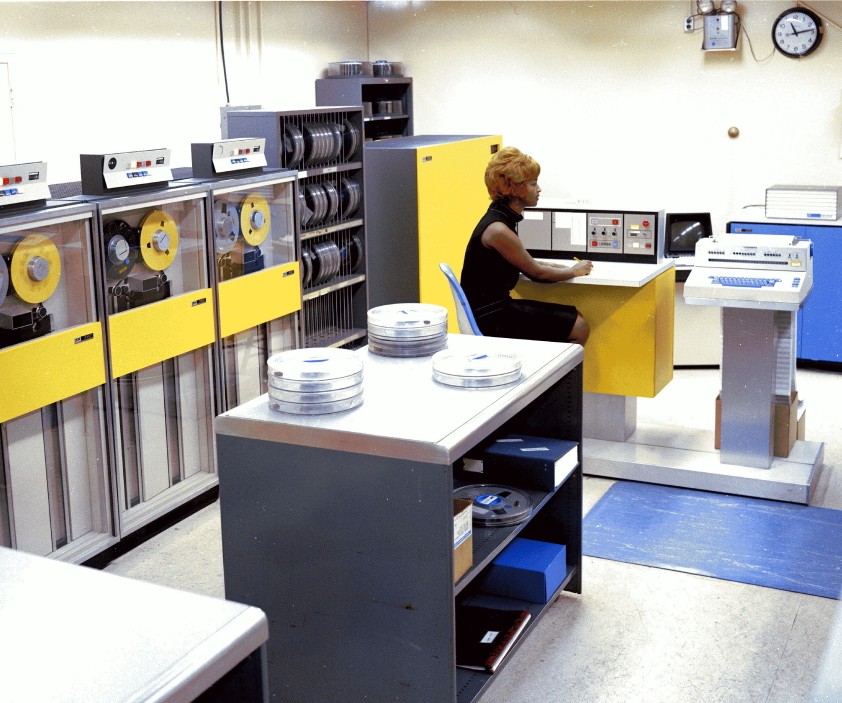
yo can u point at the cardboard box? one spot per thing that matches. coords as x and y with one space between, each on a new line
787 426
523 460
463 541
527 569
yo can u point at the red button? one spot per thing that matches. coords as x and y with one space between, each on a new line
645 223
148 163
18 179
5 181
615 222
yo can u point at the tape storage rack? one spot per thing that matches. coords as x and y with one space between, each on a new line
325 147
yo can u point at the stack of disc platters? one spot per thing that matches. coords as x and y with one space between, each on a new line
315 381
407 329
475 369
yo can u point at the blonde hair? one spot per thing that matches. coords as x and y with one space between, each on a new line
507 171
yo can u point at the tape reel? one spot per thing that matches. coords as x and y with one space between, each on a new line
255 219
122 242
496 506
158 239
226 226
35 268
293 142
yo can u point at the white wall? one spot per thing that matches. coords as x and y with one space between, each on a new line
119 76
617 102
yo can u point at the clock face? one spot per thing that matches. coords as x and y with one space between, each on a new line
797 32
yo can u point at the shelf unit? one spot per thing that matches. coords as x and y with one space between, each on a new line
324 145
386 101
340 527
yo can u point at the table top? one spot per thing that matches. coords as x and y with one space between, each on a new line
72 633
614 273
405 413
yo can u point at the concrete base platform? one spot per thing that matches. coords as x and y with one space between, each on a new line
672 457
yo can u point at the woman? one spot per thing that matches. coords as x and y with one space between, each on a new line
495 257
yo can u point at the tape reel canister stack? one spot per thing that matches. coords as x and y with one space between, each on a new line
407 330
315 381
475 369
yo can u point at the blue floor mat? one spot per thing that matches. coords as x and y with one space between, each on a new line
762 542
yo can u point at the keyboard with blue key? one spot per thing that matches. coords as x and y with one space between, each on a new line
744 281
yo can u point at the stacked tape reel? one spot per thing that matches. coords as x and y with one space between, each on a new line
495 506
475 369
315 142
325 261
315 381
323 202
407 329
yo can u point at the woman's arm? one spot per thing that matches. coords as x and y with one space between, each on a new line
506 243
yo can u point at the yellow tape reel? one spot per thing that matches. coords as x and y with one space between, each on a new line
255 219
158 239
35 269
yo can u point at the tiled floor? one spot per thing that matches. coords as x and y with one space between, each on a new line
635 633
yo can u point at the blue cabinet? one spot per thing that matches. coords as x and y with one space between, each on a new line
820 318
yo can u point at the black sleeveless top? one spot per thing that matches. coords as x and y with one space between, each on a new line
487 277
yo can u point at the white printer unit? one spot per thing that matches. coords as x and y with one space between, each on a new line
751 271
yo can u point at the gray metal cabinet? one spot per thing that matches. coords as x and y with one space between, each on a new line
340 527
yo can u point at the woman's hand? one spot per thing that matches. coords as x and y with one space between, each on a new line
582 268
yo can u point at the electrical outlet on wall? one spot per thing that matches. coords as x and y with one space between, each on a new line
689 24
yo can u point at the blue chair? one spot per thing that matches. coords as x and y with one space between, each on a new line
464 315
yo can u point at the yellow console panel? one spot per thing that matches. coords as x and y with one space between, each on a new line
630 349
159 331
248 301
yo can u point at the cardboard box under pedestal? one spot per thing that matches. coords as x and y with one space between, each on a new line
788 425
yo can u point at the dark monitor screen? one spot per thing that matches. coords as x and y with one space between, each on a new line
683 230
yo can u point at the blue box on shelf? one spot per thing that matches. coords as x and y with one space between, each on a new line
527 569
539 462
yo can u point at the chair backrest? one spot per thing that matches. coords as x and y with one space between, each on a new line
464 315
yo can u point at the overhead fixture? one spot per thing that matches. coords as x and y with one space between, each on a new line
705 7
728 6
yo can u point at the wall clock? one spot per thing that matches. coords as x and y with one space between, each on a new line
797 32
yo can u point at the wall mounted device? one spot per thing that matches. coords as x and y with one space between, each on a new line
721 32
